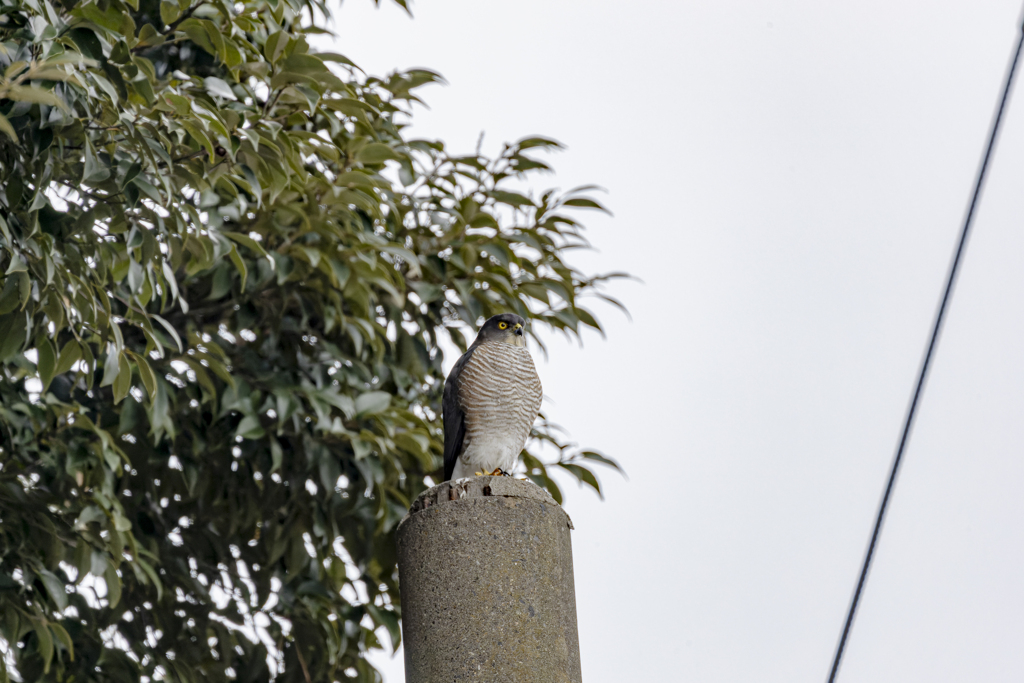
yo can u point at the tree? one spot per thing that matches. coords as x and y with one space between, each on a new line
226 282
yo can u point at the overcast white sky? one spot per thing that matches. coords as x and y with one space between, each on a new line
787 179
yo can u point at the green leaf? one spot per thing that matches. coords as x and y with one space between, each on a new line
276 455
583 202
376 153
169 11
14 335
197 33
588 318
182 105
16 290
110 17
247 241
113 582
389 620
372 403
45 640
55 588
527 143
216 38
584 476
335 57
6 127
243 272
170 330
149 36
98 561
121 522
305 64
23 93
136 276
250 428
146 374
110 367
94 171
148 189
483 220
65 638
87 43
17 265
603 459
274 46
201 137
47 361
219 87
541 479
123 382
513 199
69 355
152 576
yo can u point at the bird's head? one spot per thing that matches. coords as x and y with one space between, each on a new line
507 328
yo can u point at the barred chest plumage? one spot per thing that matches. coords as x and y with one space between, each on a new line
500 393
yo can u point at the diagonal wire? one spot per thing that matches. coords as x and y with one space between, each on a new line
926 362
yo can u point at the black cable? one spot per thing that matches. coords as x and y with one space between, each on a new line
939 316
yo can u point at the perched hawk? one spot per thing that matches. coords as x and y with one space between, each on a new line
491 398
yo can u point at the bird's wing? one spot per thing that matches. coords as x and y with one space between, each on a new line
454 416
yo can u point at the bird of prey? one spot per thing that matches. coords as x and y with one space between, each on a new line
491 398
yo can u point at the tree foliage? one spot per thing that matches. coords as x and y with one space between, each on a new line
226 279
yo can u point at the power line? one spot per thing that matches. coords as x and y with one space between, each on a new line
929 352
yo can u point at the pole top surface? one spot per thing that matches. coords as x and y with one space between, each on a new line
482 487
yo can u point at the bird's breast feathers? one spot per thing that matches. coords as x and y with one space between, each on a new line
500 395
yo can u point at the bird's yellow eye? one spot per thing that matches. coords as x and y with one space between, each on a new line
502 326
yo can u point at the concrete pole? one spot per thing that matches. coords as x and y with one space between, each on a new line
487 586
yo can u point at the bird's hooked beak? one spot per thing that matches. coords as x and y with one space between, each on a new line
517 339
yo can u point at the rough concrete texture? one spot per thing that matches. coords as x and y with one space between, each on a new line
487 585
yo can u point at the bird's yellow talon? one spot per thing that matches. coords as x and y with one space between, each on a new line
498 472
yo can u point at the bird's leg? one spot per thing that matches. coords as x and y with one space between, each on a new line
497 472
